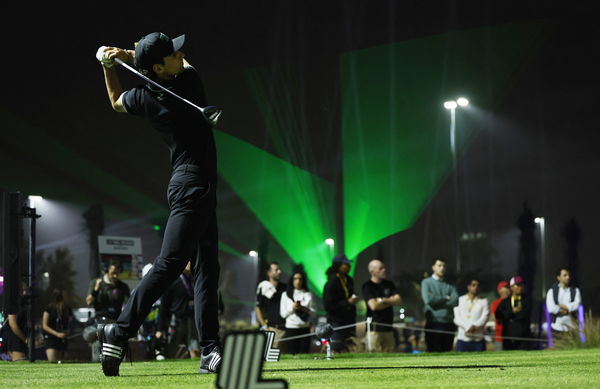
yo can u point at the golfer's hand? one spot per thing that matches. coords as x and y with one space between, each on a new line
107 54
61 335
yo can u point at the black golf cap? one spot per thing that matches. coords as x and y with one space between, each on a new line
153 47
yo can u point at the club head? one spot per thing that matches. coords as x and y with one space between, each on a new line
212 114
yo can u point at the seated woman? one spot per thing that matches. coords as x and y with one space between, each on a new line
55 324
296 307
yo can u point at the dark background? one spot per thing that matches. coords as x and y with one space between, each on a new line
543 150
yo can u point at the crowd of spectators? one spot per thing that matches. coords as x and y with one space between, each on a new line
452 321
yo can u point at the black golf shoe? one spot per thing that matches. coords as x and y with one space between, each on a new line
211 363
112 349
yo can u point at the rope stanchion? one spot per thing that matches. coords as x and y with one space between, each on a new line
369 346
314 333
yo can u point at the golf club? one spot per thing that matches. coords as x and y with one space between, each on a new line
211 113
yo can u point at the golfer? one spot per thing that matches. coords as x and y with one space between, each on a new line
191 230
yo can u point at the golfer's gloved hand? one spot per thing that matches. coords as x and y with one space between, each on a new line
104 60
212 113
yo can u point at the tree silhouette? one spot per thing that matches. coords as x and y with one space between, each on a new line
55 271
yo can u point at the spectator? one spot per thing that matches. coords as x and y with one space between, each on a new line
297 306
563 301
178 300
268 299
107 295
17 333
55 325
470 317
439 297
340 301
515 313
381 295
503 290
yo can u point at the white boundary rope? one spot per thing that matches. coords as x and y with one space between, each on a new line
369 323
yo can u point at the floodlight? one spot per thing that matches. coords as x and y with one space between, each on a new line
450 105
462 102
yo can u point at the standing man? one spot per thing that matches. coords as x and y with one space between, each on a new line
515 314
191 230
106 295
268 299
340 301
563 301
381 295
470 317
503 290
439 298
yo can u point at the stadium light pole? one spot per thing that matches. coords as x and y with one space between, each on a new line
254 255
451 106
331 243
540 221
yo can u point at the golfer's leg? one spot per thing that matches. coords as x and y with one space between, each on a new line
175 253
206 271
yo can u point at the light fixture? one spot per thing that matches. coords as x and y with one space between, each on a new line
450 105
33 199
462 102
329 242
253 254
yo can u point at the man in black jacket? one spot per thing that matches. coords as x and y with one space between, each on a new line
515 314
340 301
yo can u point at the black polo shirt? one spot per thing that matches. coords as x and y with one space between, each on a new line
372 290
184 129
270 307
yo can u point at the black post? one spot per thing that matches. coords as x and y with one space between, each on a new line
572 234
29 213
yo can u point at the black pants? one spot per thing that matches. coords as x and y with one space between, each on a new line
340 337
190 235
436 341
298 346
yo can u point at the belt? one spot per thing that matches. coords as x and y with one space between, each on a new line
188 168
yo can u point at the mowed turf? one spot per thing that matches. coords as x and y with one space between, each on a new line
519 369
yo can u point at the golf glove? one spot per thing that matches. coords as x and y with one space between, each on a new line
100 56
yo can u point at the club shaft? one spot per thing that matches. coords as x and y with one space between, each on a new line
156 84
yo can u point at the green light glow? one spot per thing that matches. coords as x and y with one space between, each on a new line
285 199
396 132
69 175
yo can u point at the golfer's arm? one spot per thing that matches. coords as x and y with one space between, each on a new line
114 88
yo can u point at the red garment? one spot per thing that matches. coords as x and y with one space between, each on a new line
498 323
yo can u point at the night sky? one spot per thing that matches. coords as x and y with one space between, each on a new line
61 139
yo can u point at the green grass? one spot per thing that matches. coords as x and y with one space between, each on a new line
519 369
